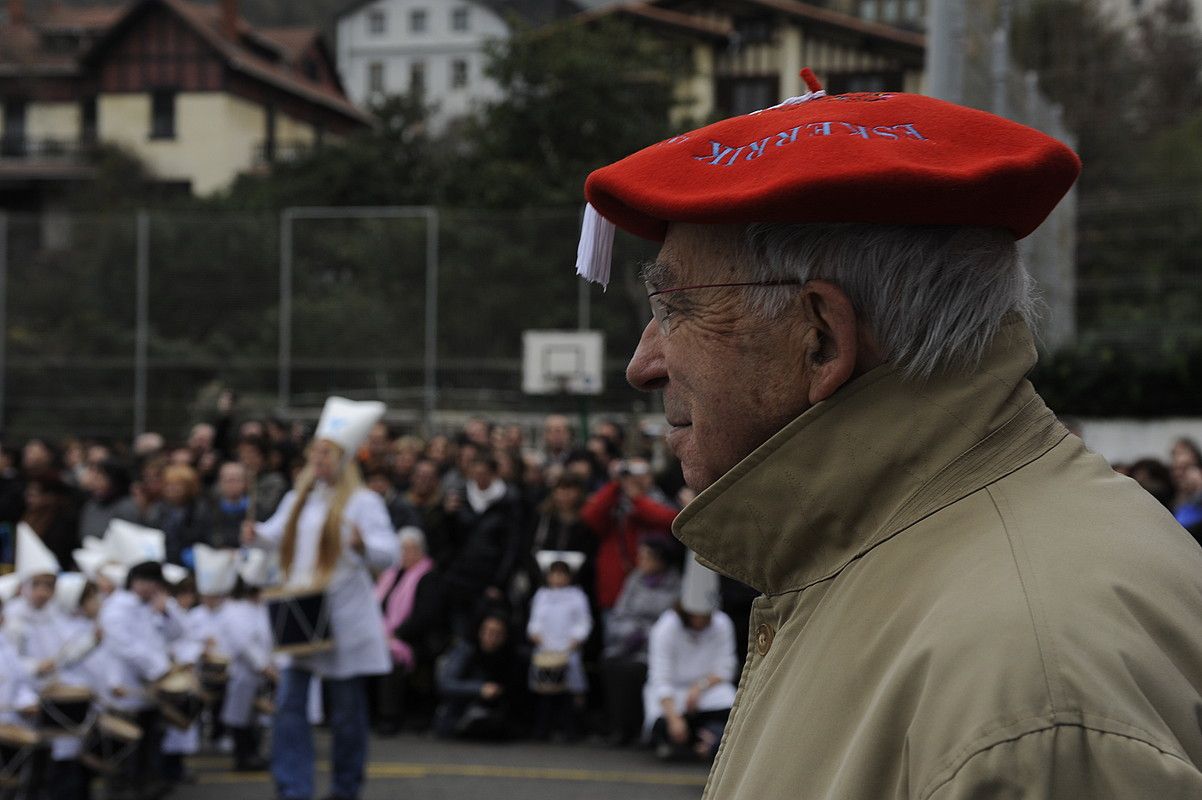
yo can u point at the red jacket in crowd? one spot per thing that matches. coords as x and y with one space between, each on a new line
620 523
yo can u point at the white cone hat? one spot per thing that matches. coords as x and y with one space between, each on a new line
573 558
94 545
33 556
10 584
68 590
216 570
174 574
131 544
699 589
346 423
116 574
90 562
256 567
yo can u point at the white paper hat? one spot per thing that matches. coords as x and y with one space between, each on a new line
174 574
131 544
216 570
10 584
68 590
94 545
33 556
257 568
115 574
90 562
572 558
346 423
699 589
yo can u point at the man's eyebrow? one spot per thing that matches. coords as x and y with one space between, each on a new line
657 273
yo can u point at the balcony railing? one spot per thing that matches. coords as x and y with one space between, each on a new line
44 149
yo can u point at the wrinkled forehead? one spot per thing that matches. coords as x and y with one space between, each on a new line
693 254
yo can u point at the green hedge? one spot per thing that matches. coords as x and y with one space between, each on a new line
1123 380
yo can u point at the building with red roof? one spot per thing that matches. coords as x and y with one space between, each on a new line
194 91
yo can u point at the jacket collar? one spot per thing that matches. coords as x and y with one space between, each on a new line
875 458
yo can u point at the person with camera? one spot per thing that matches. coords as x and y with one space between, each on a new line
622 513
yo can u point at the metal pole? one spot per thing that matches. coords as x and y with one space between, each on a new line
582 304
285 360
142 333
1000 63
431 359
3 309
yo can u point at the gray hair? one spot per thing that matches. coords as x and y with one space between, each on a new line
411 533
932 296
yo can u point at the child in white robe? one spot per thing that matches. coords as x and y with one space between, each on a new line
560 622
249 646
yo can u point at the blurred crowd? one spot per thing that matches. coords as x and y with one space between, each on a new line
1176 484
539 588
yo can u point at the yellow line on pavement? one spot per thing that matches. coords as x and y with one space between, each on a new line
395 770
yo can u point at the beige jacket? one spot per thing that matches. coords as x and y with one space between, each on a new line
960 601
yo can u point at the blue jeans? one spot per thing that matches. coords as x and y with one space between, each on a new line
292 753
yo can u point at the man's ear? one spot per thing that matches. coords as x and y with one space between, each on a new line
834 345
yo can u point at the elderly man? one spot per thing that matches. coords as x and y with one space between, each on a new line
959 600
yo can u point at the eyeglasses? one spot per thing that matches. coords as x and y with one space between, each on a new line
662 314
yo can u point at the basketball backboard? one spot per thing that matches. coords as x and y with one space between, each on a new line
562 362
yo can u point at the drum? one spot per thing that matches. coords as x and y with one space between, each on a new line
300 621
109 742
65 710
17 746
179 697
214 672
550 672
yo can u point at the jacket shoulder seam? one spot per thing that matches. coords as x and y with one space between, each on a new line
1048 657
992 740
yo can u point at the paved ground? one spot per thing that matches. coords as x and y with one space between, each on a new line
421 768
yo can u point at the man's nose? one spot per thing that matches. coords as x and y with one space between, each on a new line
647 370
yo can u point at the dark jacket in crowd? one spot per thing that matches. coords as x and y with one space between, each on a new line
226 529
461 675
184 526
485 546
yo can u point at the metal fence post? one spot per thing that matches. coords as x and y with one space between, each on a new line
285 360
430 393
142 333
3 309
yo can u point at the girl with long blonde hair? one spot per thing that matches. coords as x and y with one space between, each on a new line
331 533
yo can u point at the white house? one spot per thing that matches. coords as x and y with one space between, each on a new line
394 46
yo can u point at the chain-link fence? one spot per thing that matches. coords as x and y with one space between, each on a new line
117 324
121 323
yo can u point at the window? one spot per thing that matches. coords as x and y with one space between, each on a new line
417 20
162 114
744 95
375 76
459 21
377 22
269 135
417 76
14 143
87 121
458 73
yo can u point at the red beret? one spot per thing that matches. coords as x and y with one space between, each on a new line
874 157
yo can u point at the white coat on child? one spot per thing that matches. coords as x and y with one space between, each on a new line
559 621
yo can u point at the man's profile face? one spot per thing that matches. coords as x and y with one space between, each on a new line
729 379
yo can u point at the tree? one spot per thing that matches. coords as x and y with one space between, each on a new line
573 97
